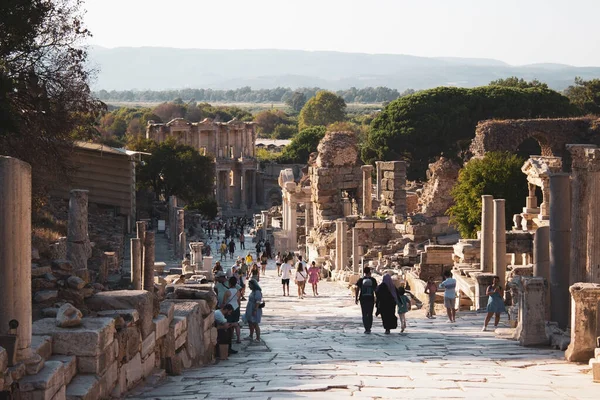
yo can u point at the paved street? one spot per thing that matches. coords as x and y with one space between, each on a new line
316 348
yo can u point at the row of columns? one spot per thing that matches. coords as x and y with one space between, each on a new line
237 189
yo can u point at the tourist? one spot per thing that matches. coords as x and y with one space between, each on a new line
278 263
449 285
223 250
386 300
305 269
403 307
495 303
254 273
232 296
224 331
431 290
217 268
300 280
231 248
268 250
286 273
249 259
254 309
220 287
365 293
263 262
242 241
313 277
258 249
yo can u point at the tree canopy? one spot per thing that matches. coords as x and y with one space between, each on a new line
585 95
322 110
304 143
520 83
441 121
497 174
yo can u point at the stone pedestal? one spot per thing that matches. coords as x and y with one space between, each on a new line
481 298
207 267
487 234
531 329
148 283
585 324
560 248
136 263
196 255
500 241
79 249
15 251
367 170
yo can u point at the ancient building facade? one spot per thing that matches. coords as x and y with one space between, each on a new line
232 145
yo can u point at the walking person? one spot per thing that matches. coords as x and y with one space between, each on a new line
231 248
232 296
495 303
263 262
286 274
431 290
268 250
258 249
386 301
278 263
449 285
242 241
305 268
254 310
254 273
300 280
313 277
365 293
223 250
403 307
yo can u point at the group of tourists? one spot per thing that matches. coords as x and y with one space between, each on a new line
301 273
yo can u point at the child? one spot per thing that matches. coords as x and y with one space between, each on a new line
403 307
431 290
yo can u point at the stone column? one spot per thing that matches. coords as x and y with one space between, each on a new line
592 265
196 256
15 251
338 244
136 263
560 248
585 328
265 219
541 252
531 330
342 244
580 199
244 191
307 216
172 218
544 207
500 241
367 170
355 251
378 169
179 243
254 190
293 225
531 201
79 249
217 188
148 282
487 234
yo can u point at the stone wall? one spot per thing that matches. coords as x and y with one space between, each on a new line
435 198
393 182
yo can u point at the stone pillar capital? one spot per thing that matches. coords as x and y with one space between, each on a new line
367 168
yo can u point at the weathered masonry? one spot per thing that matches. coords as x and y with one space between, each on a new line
231 144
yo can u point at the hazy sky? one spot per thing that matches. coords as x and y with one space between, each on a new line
514 31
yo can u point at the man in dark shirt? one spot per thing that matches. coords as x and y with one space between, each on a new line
366 294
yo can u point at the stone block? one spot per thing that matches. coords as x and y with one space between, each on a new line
148 365
178 326
180 340
167 308
109 379
4 360
133 371
89 339
140 300
41 345
68 316
585 300
130 317
75 282
595 364
45 296
204 308
148 345
83 387
39 272
161 324
46 383
208 322
121 384
97 364
69 366
130 341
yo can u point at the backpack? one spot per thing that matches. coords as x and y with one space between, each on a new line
367 288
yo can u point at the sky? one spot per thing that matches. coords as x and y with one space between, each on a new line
514 31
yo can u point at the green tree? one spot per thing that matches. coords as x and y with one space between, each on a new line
441 121
497 174
175 169
515 82
283 131
585 95
304 143
323 109
296 101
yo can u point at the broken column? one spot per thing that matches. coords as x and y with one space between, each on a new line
15 251
148 283
172 219
293 225
180 246
79 249
196 256
378 169
341 245
487 233
367 170
541 260
136 263
500 240
355 251
560 248
393 194
531 329
585 327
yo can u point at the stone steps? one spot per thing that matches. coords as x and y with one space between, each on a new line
83 387
46 384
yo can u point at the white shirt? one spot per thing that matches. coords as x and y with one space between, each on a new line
219 317
301 276
233 300
286 270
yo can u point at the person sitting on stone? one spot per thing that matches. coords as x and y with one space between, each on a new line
224 331
186 265
217 268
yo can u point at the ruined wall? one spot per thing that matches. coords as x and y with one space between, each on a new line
435 198
393 183
552 134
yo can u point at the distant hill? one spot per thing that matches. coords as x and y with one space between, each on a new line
158 68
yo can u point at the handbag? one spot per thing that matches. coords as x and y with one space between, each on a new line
262 304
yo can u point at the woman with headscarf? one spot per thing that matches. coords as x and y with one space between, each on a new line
254 310
386 301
